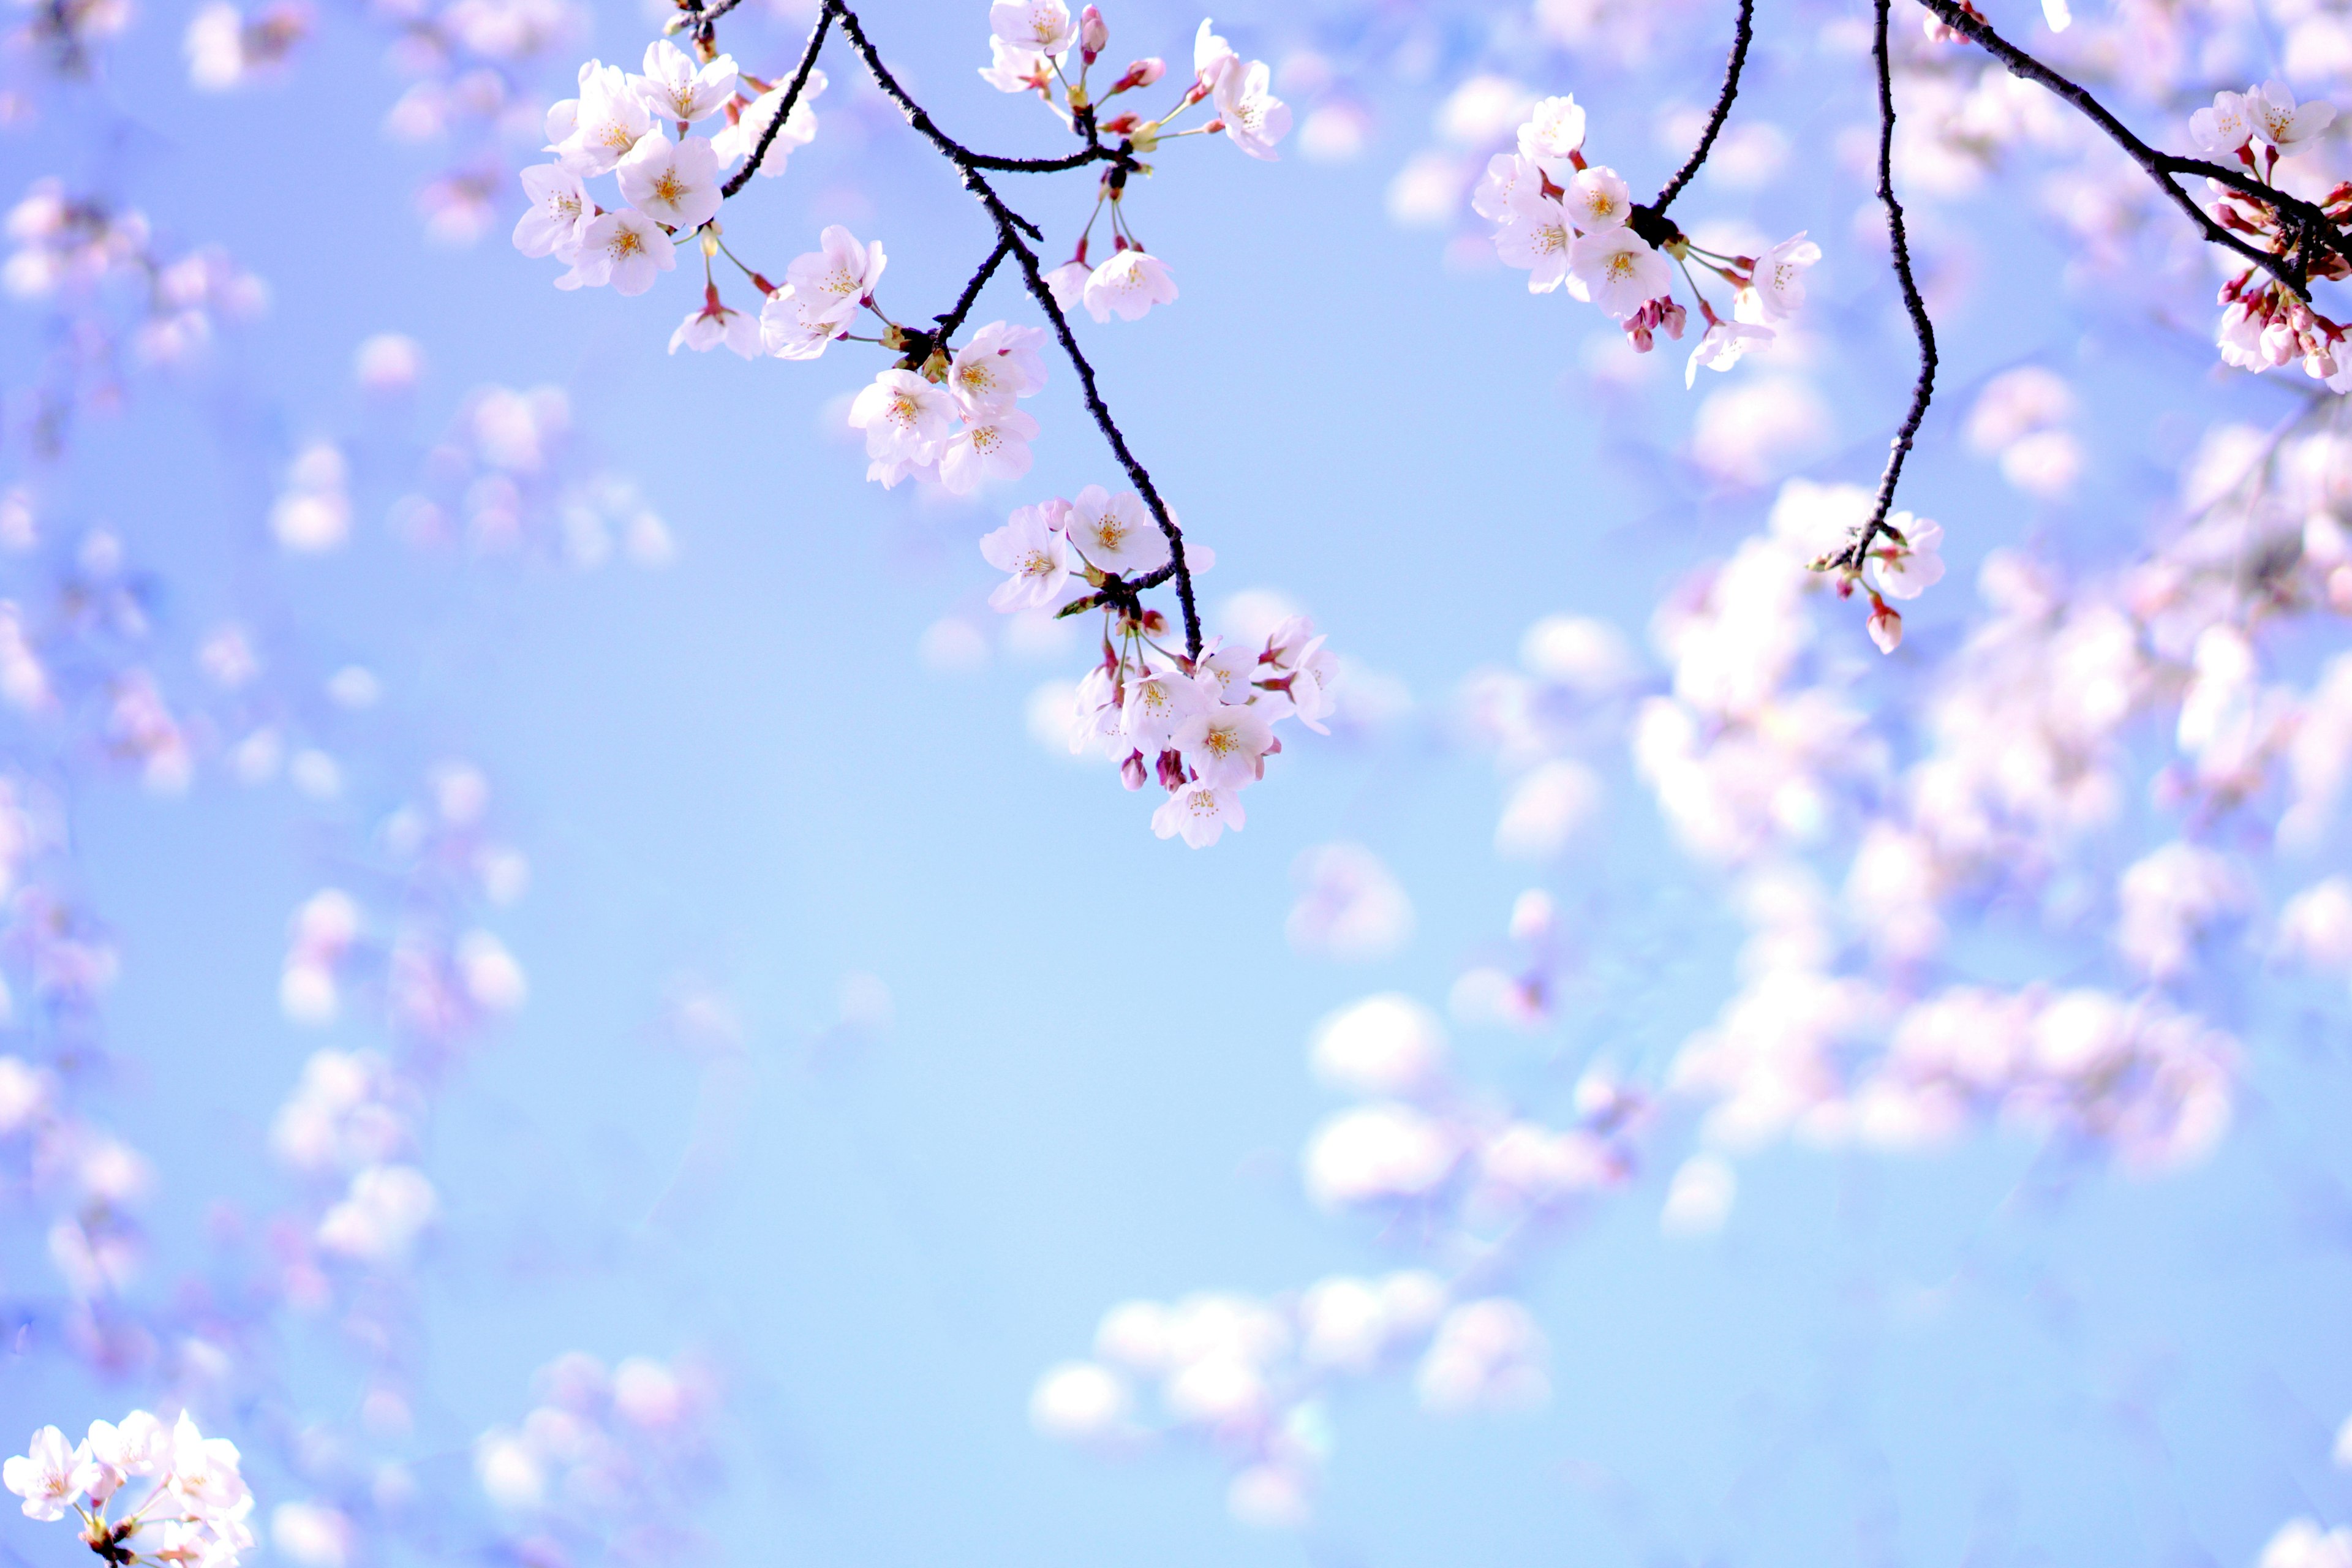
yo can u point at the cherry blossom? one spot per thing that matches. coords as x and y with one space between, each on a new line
1045 26
2272 111
559 215
1551 138
906 419
714 324
49 1475
736 141
1597 199
1778 287
1116 532
675 87
624 249
831 280
1910 566
1538 238
1619 271
1722 344
675 183
1200 813
1130 283
1034 548
1000 364
993 445
1254 119
601 125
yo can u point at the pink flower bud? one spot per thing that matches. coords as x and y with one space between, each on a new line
1142 73
1885 627
1093 34
1130 771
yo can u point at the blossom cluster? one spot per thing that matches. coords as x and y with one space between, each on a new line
2264 323
193 1514
1202 728
1571 224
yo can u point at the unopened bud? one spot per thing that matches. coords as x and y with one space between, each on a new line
935 368
1093 34
894 336
1142 73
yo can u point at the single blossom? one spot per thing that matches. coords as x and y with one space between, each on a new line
1000 364
1538 238
1116 532
1068 283
1225 673
1159 703
1310 683
2272 110
905 418
1550 138
1598 199
1130 283
1225 745
673 182
714 324
1013 68
789 330
560 212
47 1475
204 1473
1044 25
626 248
1491 198
1036 554
738 140
1201 813
831 280
2224 128
1908 570
1722 345
675 87
609 119
1255 120
1212 58
1619 271
991 446
1779 287
1885 627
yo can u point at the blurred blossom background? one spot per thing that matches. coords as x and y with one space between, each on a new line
565 990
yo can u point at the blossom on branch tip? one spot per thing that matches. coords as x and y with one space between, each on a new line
1201 813
1044 25
714 324
1033 549
1619 271
1130 283
2225 128
1552 137
674 88
624 248
2275 118
673 182
560 212
1907 570
1255 120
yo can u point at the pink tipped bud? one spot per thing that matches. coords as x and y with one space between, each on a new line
1093 34
1885 627
1142 73
1121 124
1132 772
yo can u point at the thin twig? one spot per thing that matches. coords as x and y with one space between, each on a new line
971 296
1744 33
2160 166
792 95
1010 228
1924 390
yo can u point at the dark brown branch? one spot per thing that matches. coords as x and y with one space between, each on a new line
784 110
2308 220
1924 390
954 319
1010 228
1743 34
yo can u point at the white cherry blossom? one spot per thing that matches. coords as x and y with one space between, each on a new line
1552 136
1254 117
2224 128
1158 704
626 248
1116 532
675 87
48 1474
204 1473
1226 744
1722 345
2271 109
1044 25
1068 283
831 280
1915 565
1778 290
1212 58
715 324
1619 271
1035 551
1201 813
1130 283
905 418
1013 68
790 330
1598 199
735 143
608 121
1491 197
1000 364
673 182
993 445
560 212
1538 238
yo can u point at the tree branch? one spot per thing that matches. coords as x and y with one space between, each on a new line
1744 33
1924 390
2159 165
1010 228
784 110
